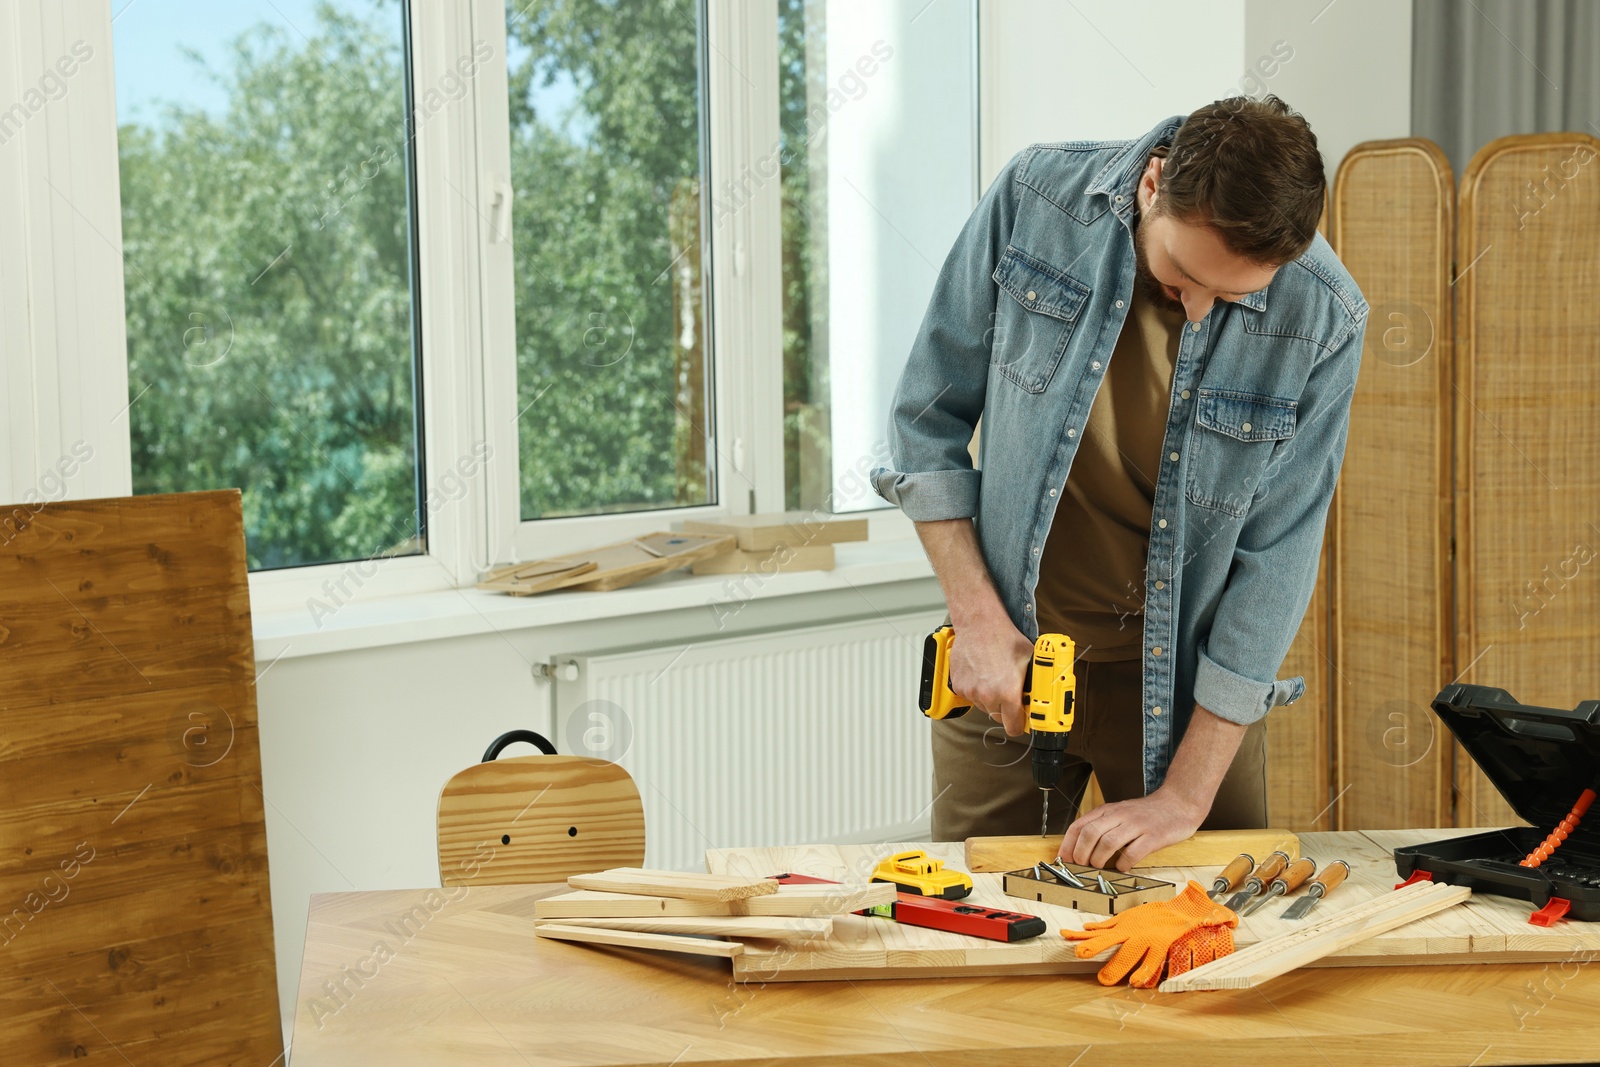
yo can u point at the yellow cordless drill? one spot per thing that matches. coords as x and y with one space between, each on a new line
1046 701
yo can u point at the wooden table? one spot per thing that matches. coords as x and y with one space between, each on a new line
439 977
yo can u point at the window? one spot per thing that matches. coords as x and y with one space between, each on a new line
879 172
612 369
270 268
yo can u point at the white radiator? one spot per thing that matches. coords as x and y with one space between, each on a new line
776 739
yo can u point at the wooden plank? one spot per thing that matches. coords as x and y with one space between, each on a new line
1485 928
766 531
135 878
781 560
776 927
817 899
673 884
697 946
1393 227
615 565
1267 959
1528 418
600 905
1206 848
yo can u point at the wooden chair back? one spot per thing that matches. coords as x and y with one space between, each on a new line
538 819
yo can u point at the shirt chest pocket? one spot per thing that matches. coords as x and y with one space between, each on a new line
1234 435
1035 320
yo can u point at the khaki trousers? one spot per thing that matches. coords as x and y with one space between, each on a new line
983 780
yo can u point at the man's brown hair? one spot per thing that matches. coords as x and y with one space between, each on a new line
1250 170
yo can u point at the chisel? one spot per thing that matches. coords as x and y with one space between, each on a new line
1292 878
1232 875
1266 871
1327 881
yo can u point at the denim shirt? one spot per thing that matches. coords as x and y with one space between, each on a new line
1020 329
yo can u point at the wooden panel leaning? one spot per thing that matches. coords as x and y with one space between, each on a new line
1297 734
1528 438
135 919
1393 215
526 819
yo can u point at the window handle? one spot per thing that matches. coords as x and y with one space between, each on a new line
500 211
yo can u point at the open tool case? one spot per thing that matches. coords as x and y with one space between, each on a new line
1541 760
1046 885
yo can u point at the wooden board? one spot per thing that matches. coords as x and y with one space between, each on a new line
695 946
1393 228
1001 854
780 560
737 926
1528 431
1268 958
762 533
1485 929
796 900
135 917
674 884
607 567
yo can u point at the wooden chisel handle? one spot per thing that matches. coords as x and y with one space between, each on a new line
1235 873
1270 868
1331 876
1295 875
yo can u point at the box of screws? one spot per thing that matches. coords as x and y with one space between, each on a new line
1071 885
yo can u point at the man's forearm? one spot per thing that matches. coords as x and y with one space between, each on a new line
1203 758
969 592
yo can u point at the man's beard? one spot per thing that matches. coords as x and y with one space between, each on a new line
1148 284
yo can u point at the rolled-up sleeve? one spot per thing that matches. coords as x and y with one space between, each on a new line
1279 549
941 389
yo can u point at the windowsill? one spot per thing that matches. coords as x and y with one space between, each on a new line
466 612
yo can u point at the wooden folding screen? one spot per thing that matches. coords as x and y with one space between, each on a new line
1393 228
1297 734
1527 493
135 922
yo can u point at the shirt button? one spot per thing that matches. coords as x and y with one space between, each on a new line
1194 327
1071 432
1172 456
1095 364
1156 651
1052 492
1027 607
1036 552
1245 427
1161 585
1156 710
1161 523
1184 394
1119 303
1032 294
1119 199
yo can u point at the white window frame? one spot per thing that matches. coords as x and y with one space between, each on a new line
65 385
744 361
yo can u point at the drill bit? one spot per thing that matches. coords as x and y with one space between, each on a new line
1044 820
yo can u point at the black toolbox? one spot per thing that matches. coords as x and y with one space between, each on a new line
1541 760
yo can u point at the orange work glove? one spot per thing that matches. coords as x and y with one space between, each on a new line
1147 933
1200 946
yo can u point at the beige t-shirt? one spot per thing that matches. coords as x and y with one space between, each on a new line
1091 577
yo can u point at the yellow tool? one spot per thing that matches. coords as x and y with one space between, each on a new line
1047 698
917 872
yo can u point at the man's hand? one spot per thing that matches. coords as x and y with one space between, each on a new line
987 663
990 654
1129 830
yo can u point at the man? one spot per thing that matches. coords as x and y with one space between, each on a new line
1163 350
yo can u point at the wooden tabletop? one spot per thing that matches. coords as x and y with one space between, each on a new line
433 976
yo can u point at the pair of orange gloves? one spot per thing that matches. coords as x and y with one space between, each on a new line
1179 934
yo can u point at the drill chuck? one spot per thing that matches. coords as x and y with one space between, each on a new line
1049 758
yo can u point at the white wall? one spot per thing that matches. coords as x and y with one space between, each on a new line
1099 69
1111 70
1350 73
